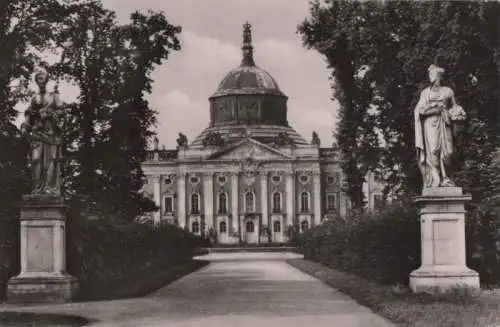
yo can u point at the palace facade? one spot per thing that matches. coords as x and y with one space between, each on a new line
249 177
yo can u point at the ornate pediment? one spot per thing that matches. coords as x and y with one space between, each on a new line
249 149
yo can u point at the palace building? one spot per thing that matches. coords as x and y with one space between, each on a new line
248 177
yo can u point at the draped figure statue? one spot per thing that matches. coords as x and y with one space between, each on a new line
434 115
43 127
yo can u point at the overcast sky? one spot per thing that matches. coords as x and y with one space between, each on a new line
211 46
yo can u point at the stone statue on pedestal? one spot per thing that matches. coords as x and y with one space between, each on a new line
435 113
442 204
43 277
43 126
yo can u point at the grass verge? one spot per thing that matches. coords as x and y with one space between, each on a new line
398 304
140 285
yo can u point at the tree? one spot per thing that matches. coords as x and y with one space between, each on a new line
27 28
111 64
379 53
149 38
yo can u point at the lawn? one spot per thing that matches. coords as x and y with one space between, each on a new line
406 309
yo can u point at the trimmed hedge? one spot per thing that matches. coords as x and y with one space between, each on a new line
9 249
385 246
105 255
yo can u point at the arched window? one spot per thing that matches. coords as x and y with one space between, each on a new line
222 227
249 202
222 203
195 227
304 202
277 226
304 226
250 227
195 204
277 202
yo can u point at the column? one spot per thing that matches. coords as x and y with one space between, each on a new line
208 197
181 200
317 197
264 198
157 198
290 200
234 201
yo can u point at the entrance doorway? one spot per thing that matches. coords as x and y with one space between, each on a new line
251 233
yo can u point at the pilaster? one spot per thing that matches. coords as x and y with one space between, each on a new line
234 201
290 198
208 197
264 198
317 197
181 200
157 197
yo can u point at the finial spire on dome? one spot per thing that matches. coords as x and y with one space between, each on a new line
247 46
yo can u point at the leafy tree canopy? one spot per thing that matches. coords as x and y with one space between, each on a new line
378 53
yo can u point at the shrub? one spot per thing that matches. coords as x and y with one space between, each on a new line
483 241
101 253
9 249
384 246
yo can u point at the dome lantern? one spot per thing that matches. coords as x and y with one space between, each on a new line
247 46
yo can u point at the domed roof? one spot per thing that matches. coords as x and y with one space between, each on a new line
248 78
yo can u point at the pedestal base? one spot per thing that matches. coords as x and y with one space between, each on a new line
439 279
442 221
42 288
43 277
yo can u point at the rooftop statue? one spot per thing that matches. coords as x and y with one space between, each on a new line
182 140
315 139
435 114
43 126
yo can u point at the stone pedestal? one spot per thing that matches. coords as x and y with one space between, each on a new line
43 276
442 221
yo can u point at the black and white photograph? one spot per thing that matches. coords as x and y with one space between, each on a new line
233 163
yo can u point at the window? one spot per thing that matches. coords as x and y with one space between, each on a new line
276 179
222 203
195 204
304 178
304 226
331 202
249 202
194 180
222 227
277 226
250 227
168 181
195 227
304 202
277 202
169 204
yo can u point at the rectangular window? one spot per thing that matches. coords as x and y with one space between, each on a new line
331 202
169 204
